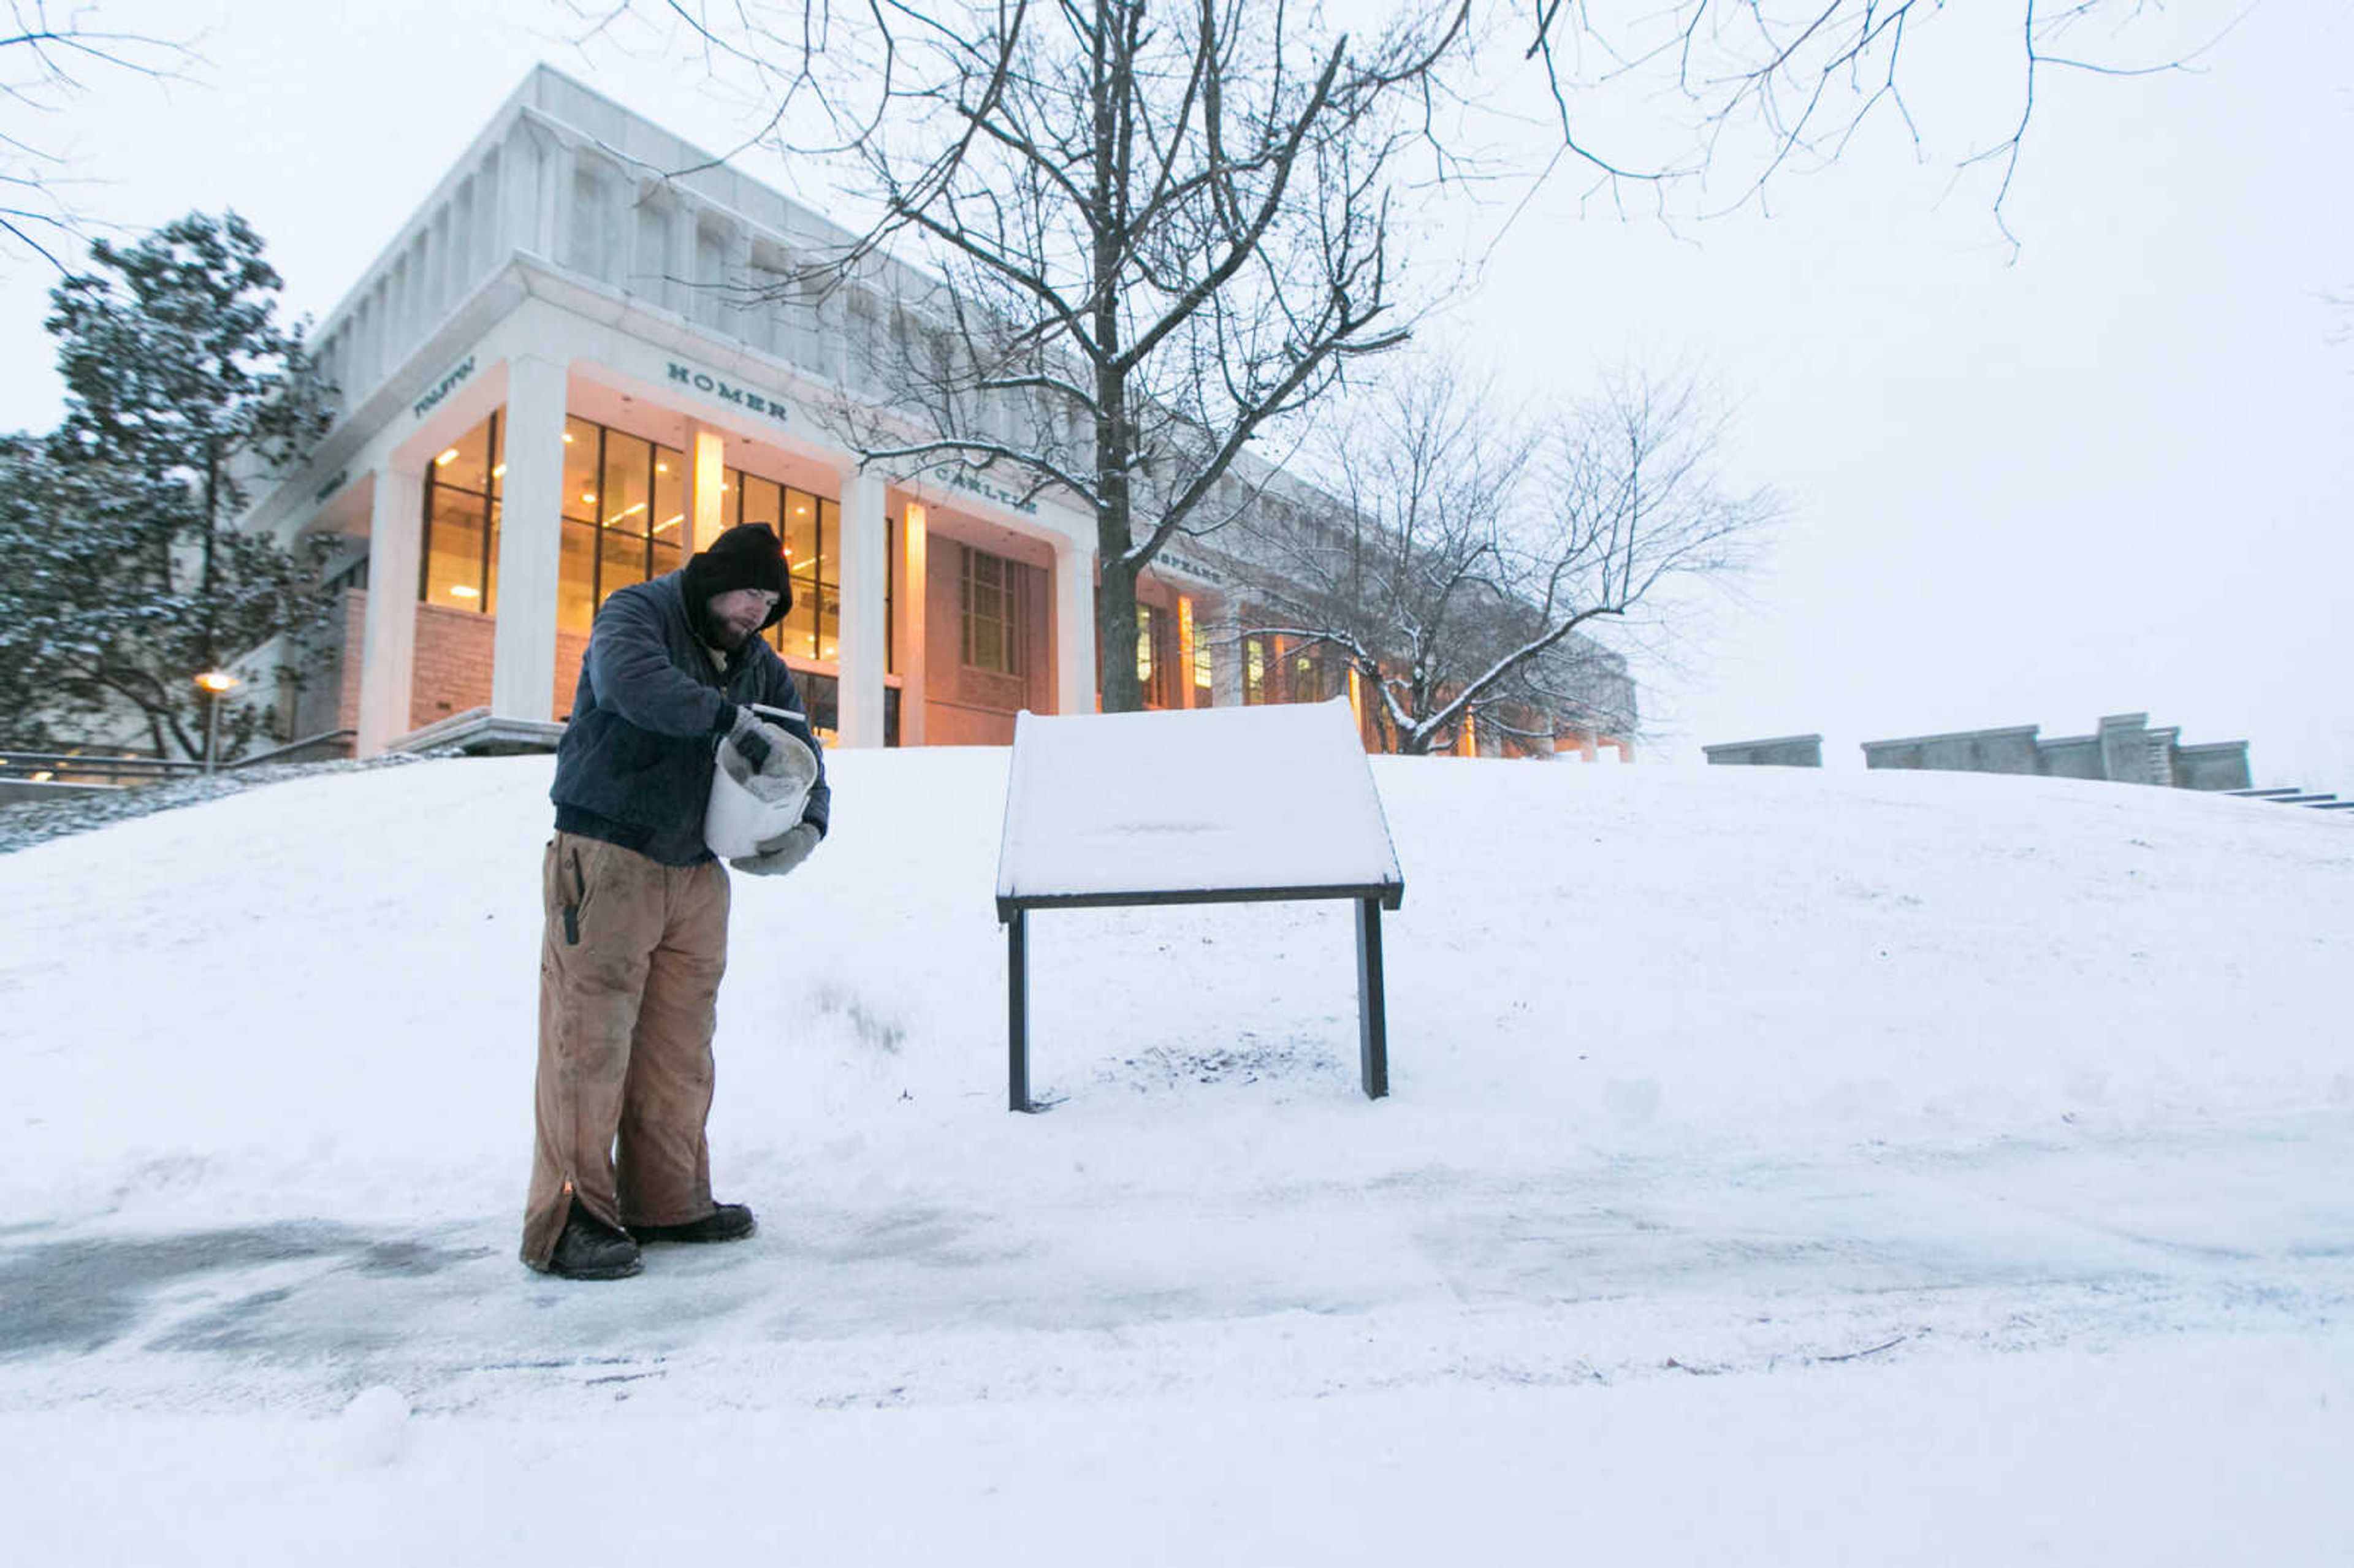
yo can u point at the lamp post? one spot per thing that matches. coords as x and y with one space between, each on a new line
217 683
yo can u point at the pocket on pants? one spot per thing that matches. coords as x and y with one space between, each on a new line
576 896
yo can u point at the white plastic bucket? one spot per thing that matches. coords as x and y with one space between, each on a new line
748 809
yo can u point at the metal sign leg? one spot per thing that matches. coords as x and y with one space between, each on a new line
1017 1011
1372 1006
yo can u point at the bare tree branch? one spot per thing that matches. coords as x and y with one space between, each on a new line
49 57
1469 549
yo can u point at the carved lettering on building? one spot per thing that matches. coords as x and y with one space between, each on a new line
443 387
1192 568
713 386
959 478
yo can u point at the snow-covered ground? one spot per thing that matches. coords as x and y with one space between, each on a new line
1781 1167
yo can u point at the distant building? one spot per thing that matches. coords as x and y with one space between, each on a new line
1784 751
2125 750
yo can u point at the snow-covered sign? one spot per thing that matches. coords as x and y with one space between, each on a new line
1112 808
1219 805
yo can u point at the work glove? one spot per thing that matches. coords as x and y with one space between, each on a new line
756 741
781 853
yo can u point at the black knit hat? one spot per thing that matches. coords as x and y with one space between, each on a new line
746 556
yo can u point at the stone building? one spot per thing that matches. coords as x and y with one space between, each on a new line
2125 750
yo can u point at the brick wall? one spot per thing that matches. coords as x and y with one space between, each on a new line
453 671
569 648
976 707
454 648
331 697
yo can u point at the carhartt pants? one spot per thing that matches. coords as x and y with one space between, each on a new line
629 979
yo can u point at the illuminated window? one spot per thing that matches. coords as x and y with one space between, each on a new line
1153 666
624 512
460 549
1255 669
1190 635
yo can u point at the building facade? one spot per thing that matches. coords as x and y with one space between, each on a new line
2123 750
566 373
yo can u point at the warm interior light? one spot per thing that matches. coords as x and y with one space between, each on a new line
500 471
217 681
661 468
588 497
670 522
624 512
446 458
464 591
567 437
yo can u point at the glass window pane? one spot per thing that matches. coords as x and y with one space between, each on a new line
829 623
498 450
670 496
797 633
576 579
667 553
800 534
828 541
454 552
466 463
625 562
491 587
580 469
988 645
821 697
760 503
622 502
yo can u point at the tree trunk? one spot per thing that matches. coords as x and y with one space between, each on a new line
1116 579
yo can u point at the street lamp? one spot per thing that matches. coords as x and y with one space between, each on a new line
217 683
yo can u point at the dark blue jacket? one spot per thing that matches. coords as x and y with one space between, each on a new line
634 766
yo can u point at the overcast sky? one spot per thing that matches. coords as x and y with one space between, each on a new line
2113 473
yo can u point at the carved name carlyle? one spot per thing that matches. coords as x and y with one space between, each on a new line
956 477
442 389
702 381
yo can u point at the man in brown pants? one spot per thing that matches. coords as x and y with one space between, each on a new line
637 907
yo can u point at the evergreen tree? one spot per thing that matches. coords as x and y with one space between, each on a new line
122 577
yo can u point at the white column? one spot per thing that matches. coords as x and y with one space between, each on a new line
913 604
1226 659
861 549
1075 627
530 542
1189 634
707 471
388 646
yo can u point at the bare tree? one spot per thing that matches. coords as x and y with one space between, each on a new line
1146 235
47 54
1744 91
1469 549
1148 232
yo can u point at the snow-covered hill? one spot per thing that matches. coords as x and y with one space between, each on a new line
1963 1125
